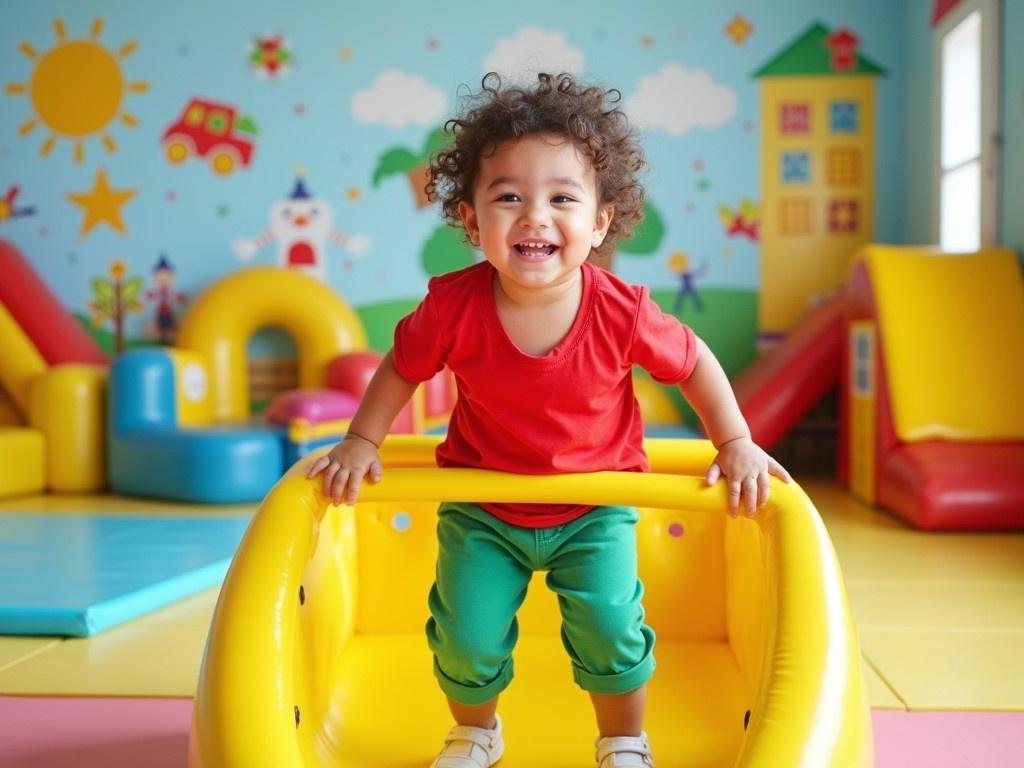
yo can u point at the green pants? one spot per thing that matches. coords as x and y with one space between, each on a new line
484 566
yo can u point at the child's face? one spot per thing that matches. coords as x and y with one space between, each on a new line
535 211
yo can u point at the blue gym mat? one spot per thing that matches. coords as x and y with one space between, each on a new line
80 574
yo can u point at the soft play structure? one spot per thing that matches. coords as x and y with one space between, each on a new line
317 657
180 425
932 410
178 418
52 378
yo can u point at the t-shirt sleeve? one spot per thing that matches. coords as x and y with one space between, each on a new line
418 350
662 346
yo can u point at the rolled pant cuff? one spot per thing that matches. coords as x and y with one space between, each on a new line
473 694
619 682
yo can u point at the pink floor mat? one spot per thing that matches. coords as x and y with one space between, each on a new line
127 733
93 733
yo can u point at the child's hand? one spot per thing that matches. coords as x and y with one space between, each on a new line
345 466
746 468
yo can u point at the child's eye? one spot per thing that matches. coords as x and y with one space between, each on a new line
562 199
508 197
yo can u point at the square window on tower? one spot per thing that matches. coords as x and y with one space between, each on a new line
795 118
843 216
843 116
796 167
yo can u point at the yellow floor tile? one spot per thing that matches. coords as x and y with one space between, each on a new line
995 606
880 695
107 504
16 649
950 669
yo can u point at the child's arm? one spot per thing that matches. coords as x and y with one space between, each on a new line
356 457
745 466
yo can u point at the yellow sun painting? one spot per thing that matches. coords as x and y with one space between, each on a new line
76 90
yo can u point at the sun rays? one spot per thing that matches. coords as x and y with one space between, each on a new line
77 89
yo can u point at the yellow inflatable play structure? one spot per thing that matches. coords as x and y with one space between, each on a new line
317 657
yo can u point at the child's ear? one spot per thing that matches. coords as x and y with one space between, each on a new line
469 221
605 214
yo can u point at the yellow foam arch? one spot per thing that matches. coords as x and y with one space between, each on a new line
220 322
295 674
952 331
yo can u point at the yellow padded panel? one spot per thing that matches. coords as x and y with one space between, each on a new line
67 404
22 461
952 328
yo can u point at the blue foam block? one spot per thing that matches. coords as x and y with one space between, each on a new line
79 574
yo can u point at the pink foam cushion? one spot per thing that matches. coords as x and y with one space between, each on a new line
313 405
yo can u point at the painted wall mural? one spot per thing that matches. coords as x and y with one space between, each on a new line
168 145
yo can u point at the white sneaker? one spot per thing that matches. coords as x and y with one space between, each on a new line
466 746
624 752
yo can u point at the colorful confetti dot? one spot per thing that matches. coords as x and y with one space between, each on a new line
739 29
676 530
300 109
647 41
345 54
432 43
698 165
401 522
170 195
223 210
353 193
703 185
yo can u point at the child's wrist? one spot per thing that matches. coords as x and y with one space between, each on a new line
365 439
721 445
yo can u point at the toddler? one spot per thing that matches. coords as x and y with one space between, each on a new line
542 345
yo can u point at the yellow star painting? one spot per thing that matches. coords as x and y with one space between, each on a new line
102 204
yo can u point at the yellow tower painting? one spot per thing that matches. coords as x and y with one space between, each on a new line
817 171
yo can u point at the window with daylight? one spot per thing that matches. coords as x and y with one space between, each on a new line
967 122
796 168
795 215
795 118
843 216
843 167
842 116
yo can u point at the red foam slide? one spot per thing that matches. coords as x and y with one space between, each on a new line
784 383
56 333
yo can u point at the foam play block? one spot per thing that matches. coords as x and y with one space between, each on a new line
78 575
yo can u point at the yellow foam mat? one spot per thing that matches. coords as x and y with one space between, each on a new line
953 669
107 504
157 655
880 694
940 616
14 650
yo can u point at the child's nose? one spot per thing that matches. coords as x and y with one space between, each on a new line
535 215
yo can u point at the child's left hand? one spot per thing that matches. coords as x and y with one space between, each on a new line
746 468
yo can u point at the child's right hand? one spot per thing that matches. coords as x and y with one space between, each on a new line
345 466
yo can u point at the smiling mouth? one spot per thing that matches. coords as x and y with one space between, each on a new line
535 251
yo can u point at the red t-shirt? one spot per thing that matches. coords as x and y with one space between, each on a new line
570 410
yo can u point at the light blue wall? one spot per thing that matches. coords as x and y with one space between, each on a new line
307 118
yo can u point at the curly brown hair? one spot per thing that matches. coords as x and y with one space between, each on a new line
557 104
